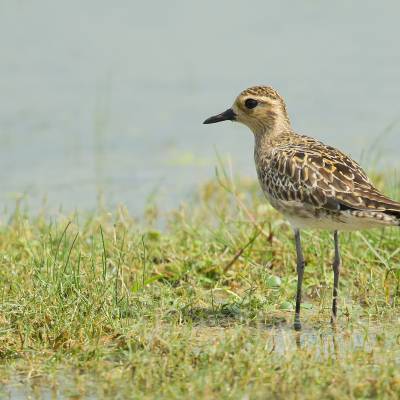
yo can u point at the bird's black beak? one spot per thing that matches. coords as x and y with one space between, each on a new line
227 115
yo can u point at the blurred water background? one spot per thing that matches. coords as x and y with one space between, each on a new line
104 99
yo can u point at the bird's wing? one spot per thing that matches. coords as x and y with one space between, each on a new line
323 177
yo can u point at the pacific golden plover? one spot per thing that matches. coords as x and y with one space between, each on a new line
313 185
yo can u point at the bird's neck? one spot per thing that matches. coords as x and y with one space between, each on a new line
274 133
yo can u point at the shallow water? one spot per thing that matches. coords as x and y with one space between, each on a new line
316 337
336 343
106 100
319 343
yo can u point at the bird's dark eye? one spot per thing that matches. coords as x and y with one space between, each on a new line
251 103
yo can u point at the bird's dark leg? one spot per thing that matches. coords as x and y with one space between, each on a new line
336 272
300 272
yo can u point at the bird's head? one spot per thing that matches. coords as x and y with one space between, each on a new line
260 108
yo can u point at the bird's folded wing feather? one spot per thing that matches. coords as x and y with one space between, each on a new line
324 177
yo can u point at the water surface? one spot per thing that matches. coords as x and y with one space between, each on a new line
321 344
106 99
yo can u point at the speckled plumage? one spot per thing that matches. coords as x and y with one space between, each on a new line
318 186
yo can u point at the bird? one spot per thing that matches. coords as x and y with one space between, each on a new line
313 185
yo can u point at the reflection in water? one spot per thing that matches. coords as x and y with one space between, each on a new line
333 342
298 340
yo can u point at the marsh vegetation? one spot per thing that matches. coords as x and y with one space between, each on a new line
195 302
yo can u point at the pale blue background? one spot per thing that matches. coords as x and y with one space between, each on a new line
109 96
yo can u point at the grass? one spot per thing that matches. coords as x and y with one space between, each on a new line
195 303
